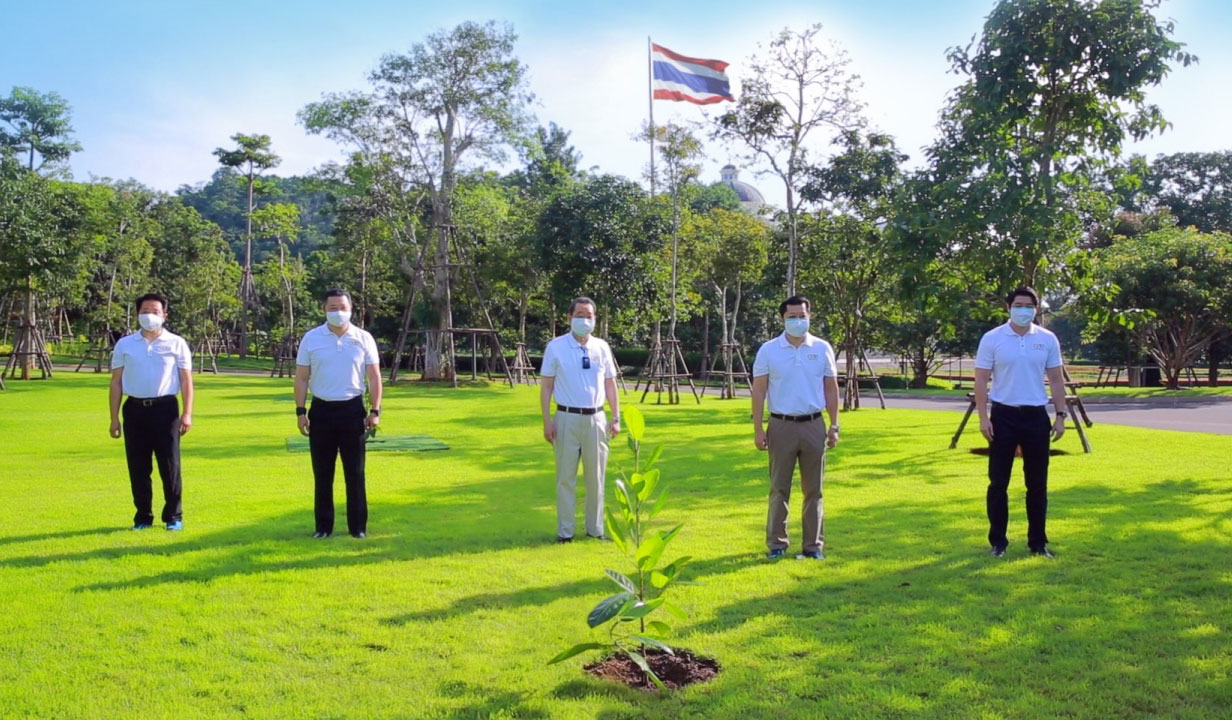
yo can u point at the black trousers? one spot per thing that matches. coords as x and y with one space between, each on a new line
337 428
1029 427
150 428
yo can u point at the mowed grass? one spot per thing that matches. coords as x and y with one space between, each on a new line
457 598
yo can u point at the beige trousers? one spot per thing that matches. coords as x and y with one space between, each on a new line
580 437
789 443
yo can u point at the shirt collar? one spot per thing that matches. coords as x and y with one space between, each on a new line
809 340
351 331
1009 329
574 341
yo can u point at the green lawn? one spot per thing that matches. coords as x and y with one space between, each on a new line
457 598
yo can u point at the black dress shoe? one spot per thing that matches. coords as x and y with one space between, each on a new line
318 535
561 540
359 535
1042 551
997 552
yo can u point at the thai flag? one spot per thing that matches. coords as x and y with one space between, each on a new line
677 77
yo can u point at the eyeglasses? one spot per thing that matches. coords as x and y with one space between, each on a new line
585 359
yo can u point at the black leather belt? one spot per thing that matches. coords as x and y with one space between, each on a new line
795 418
579 411
1019 408
147 402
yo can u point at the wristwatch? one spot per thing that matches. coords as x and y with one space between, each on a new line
1062 414
834 427
375 411
301 410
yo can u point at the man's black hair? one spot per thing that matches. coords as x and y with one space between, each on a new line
794 300
162 300
1024 291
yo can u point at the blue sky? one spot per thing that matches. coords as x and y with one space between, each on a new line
156 86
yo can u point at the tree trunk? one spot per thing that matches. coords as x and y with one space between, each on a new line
1212 364
27 362
851 394
437 363
792 239
246 278
919 368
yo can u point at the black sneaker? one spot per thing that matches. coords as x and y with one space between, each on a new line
1042 551
813 555
776 553
562 540
997 551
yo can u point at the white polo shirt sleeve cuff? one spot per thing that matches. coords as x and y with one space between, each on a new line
371 355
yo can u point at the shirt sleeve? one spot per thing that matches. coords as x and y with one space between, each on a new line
302 357
117 357
984 356
610 358
548 367
761 364
183 359
831 368
372 355
1054 354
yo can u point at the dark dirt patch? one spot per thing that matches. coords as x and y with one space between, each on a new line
676 671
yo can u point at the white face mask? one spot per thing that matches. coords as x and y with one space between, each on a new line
1022 316
150 322
338 318
582 327
796 326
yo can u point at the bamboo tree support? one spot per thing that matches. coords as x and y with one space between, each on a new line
523 370
284 357
28 345
206 350
99 347
731 357
664 369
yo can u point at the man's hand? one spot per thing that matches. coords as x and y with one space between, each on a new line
613 428
185 423
1058 429
759 438
549 431
372 421
115 429
303 425
832 437
986 428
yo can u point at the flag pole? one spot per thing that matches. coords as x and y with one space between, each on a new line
650 103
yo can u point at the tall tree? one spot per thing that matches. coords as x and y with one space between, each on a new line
850 252
1196 187
1172 289
1054 88
280 221
796 93
460 92
679 151
39 127
252 156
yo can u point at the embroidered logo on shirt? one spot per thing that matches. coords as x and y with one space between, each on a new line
1038 346
812 356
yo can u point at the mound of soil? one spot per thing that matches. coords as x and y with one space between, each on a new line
676 671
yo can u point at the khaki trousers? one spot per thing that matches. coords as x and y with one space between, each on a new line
789 442
580 437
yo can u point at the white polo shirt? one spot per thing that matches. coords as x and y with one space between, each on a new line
151 367
574 385
1018 363
796 373
337 362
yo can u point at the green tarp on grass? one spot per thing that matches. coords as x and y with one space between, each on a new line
381 443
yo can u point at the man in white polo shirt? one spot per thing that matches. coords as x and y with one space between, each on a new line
334 360
151 367
1017 356
580 372
797 371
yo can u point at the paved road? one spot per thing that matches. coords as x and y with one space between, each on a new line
1209 416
